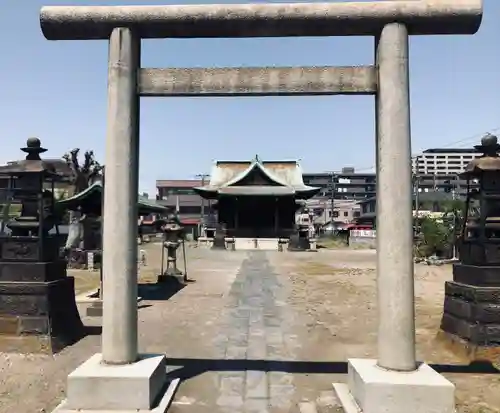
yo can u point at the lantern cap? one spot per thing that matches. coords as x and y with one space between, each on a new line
33 148
32 164
488 161
489 145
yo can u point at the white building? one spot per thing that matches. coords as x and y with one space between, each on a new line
443 161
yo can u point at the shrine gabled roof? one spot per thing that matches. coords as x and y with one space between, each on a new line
95 190
286 177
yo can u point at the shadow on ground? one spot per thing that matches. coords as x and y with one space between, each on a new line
160 291
92 331
189 368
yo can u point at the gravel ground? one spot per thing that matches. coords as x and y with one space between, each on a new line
258 332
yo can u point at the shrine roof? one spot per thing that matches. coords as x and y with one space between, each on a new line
93 194
29 166
283 178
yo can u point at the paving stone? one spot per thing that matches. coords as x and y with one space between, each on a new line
256 384
236 352
239 339
234 402
280 378
256 317
256 405
232 385
273 321
257 348
281 390
274 336
256 333
277 353
241 375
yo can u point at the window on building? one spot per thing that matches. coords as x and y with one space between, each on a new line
180 191
356 214
189 209
335 214
346 213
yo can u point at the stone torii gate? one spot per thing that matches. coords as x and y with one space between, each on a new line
394 382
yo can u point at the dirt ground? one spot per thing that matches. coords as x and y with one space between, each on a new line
335 292
258 332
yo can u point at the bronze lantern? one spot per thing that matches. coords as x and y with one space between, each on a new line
472 299
37 299
480 240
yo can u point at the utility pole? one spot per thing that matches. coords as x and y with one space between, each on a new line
332 199
455 217
416 186
454 187
202 212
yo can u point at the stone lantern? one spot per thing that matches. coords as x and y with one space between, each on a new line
173 233
299 239
38 311
472 299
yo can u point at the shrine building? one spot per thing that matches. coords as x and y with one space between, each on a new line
256 199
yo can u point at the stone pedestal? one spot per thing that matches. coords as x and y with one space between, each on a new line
98 387
472 304
371 389
38 312
298 242
219 241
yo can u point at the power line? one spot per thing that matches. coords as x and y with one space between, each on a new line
202 209
463 143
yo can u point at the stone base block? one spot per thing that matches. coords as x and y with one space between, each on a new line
32 271
484 276
97 387
473 331
376 390
472 313
38 316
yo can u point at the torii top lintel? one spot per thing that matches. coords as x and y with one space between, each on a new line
423 17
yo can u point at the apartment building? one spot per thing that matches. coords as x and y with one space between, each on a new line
443 161
347 184
178 194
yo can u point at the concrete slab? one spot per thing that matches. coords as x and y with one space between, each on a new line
94 386
348 403
162 406
376 390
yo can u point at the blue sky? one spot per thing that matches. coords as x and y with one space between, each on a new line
57 92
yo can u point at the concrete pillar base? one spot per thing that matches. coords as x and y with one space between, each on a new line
138 387
371 389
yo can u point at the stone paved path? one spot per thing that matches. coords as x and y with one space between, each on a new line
257 328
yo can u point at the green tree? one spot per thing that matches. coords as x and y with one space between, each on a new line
438 236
